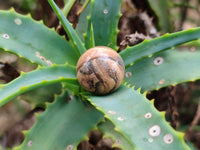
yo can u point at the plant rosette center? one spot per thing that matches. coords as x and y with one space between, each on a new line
100 70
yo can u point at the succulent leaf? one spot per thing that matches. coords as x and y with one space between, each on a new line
167 68
64 124
30 39
104 18
148 48
135 123
39 96
138 121
108 130
37 78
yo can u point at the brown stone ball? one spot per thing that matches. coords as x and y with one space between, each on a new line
100 70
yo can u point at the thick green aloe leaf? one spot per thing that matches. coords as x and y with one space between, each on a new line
37 78
78 45
62 126
138 121
162 10
104 18
39 96
107 128
166 68
148 48
32 40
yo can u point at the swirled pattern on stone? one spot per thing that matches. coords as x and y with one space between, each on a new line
100 70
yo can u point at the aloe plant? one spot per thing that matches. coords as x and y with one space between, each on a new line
126 116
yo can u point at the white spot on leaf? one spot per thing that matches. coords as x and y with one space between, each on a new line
30 143
158 60
128 74
155 130
5 36
69 147
162 81
111 112
150 140
168 138
37 54
105 11
18 21
148 115
120 119
40 56
49 63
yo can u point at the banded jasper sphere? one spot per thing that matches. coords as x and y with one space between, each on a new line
100 70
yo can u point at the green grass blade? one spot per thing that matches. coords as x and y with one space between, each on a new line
68 28
30 39
148 48
162 10
62 126
176 67
138 121
107 128
37 78
104 18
